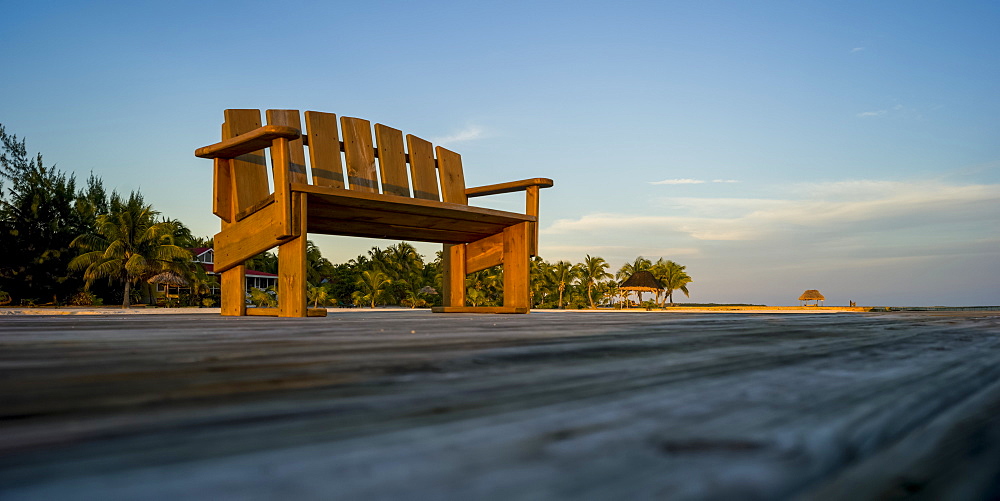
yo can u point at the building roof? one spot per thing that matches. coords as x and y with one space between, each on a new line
210 268
811 295
642 281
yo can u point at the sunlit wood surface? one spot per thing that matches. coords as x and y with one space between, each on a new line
551 405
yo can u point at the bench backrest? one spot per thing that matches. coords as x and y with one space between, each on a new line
373 164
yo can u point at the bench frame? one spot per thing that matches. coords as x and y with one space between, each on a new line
254 220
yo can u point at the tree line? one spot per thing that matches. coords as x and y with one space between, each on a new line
64 242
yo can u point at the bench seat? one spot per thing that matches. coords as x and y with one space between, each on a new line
340 212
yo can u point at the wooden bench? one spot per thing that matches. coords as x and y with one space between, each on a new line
372 197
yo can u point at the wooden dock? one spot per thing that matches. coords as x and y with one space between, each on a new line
551 405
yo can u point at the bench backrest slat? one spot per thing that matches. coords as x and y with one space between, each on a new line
423 169
392 161
250 170
434 173
360 154
296 153
324 149
452 177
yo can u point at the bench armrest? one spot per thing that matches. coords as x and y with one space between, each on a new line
254 140
496 189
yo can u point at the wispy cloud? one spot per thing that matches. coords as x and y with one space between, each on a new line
678 181
816 210
693 181
857 49
898 111
469 133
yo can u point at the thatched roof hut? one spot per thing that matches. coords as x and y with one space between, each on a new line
641 281
169 278
812 295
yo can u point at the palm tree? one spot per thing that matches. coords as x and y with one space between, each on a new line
594 270
129 245
564 273
404 259
371 287
485 287
404 265
317 266
629 269
317 294
541 281
673 277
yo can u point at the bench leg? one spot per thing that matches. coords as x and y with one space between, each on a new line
516 266
292 269
453 294
233 284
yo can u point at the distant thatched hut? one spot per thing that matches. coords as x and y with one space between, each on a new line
169 279
641 281
811 295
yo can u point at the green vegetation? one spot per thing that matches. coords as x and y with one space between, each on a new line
129 245
67 245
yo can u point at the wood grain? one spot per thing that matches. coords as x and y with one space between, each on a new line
359 152
296 151
392 161
515 266
423 168
249 169
452 176
324 149
553 405
484 253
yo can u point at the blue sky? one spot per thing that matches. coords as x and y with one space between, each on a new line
771 147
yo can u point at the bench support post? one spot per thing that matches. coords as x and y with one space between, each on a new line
454 273
233 284
292 264
516 266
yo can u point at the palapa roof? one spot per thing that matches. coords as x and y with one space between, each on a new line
642 281
169 278
811 295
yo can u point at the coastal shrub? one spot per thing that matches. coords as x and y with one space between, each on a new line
85 298
262 298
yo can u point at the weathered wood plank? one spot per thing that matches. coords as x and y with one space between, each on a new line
556 405
276 312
